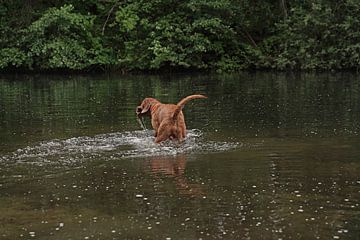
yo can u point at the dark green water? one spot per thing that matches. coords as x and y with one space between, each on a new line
268 156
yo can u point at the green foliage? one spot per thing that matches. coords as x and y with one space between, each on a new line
127 18
220 35
63 39
60 39
187 34
11 57
318 37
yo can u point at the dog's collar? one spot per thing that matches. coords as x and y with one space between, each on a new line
154 107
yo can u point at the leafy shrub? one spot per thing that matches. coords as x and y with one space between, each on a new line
321 37
11 57
64 39
59 39
221 35
187 34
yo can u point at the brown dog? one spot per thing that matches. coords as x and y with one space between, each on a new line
167 119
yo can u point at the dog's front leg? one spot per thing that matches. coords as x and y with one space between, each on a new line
155 124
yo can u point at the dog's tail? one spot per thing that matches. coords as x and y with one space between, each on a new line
182 103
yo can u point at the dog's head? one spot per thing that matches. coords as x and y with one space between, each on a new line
144 108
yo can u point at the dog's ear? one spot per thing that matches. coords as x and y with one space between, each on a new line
146 108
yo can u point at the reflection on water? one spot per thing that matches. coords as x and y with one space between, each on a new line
268 156
174 167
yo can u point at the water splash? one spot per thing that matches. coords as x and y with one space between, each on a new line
114 146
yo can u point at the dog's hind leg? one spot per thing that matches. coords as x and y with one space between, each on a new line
162 133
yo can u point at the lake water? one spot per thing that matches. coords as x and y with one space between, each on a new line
267 156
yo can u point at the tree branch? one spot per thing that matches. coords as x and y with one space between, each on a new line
108 17
250 39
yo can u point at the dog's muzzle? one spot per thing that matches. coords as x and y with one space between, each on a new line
138 110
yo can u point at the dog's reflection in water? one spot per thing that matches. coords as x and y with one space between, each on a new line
174 167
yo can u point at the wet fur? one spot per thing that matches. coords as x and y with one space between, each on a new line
166 119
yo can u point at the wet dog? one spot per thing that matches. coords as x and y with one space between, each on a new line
166 119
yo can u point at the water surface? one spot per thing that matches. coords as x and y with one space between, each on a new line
268 156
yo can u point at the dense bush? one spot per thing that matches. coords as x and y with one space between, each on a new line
59 39
321 36
224 35
157 36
